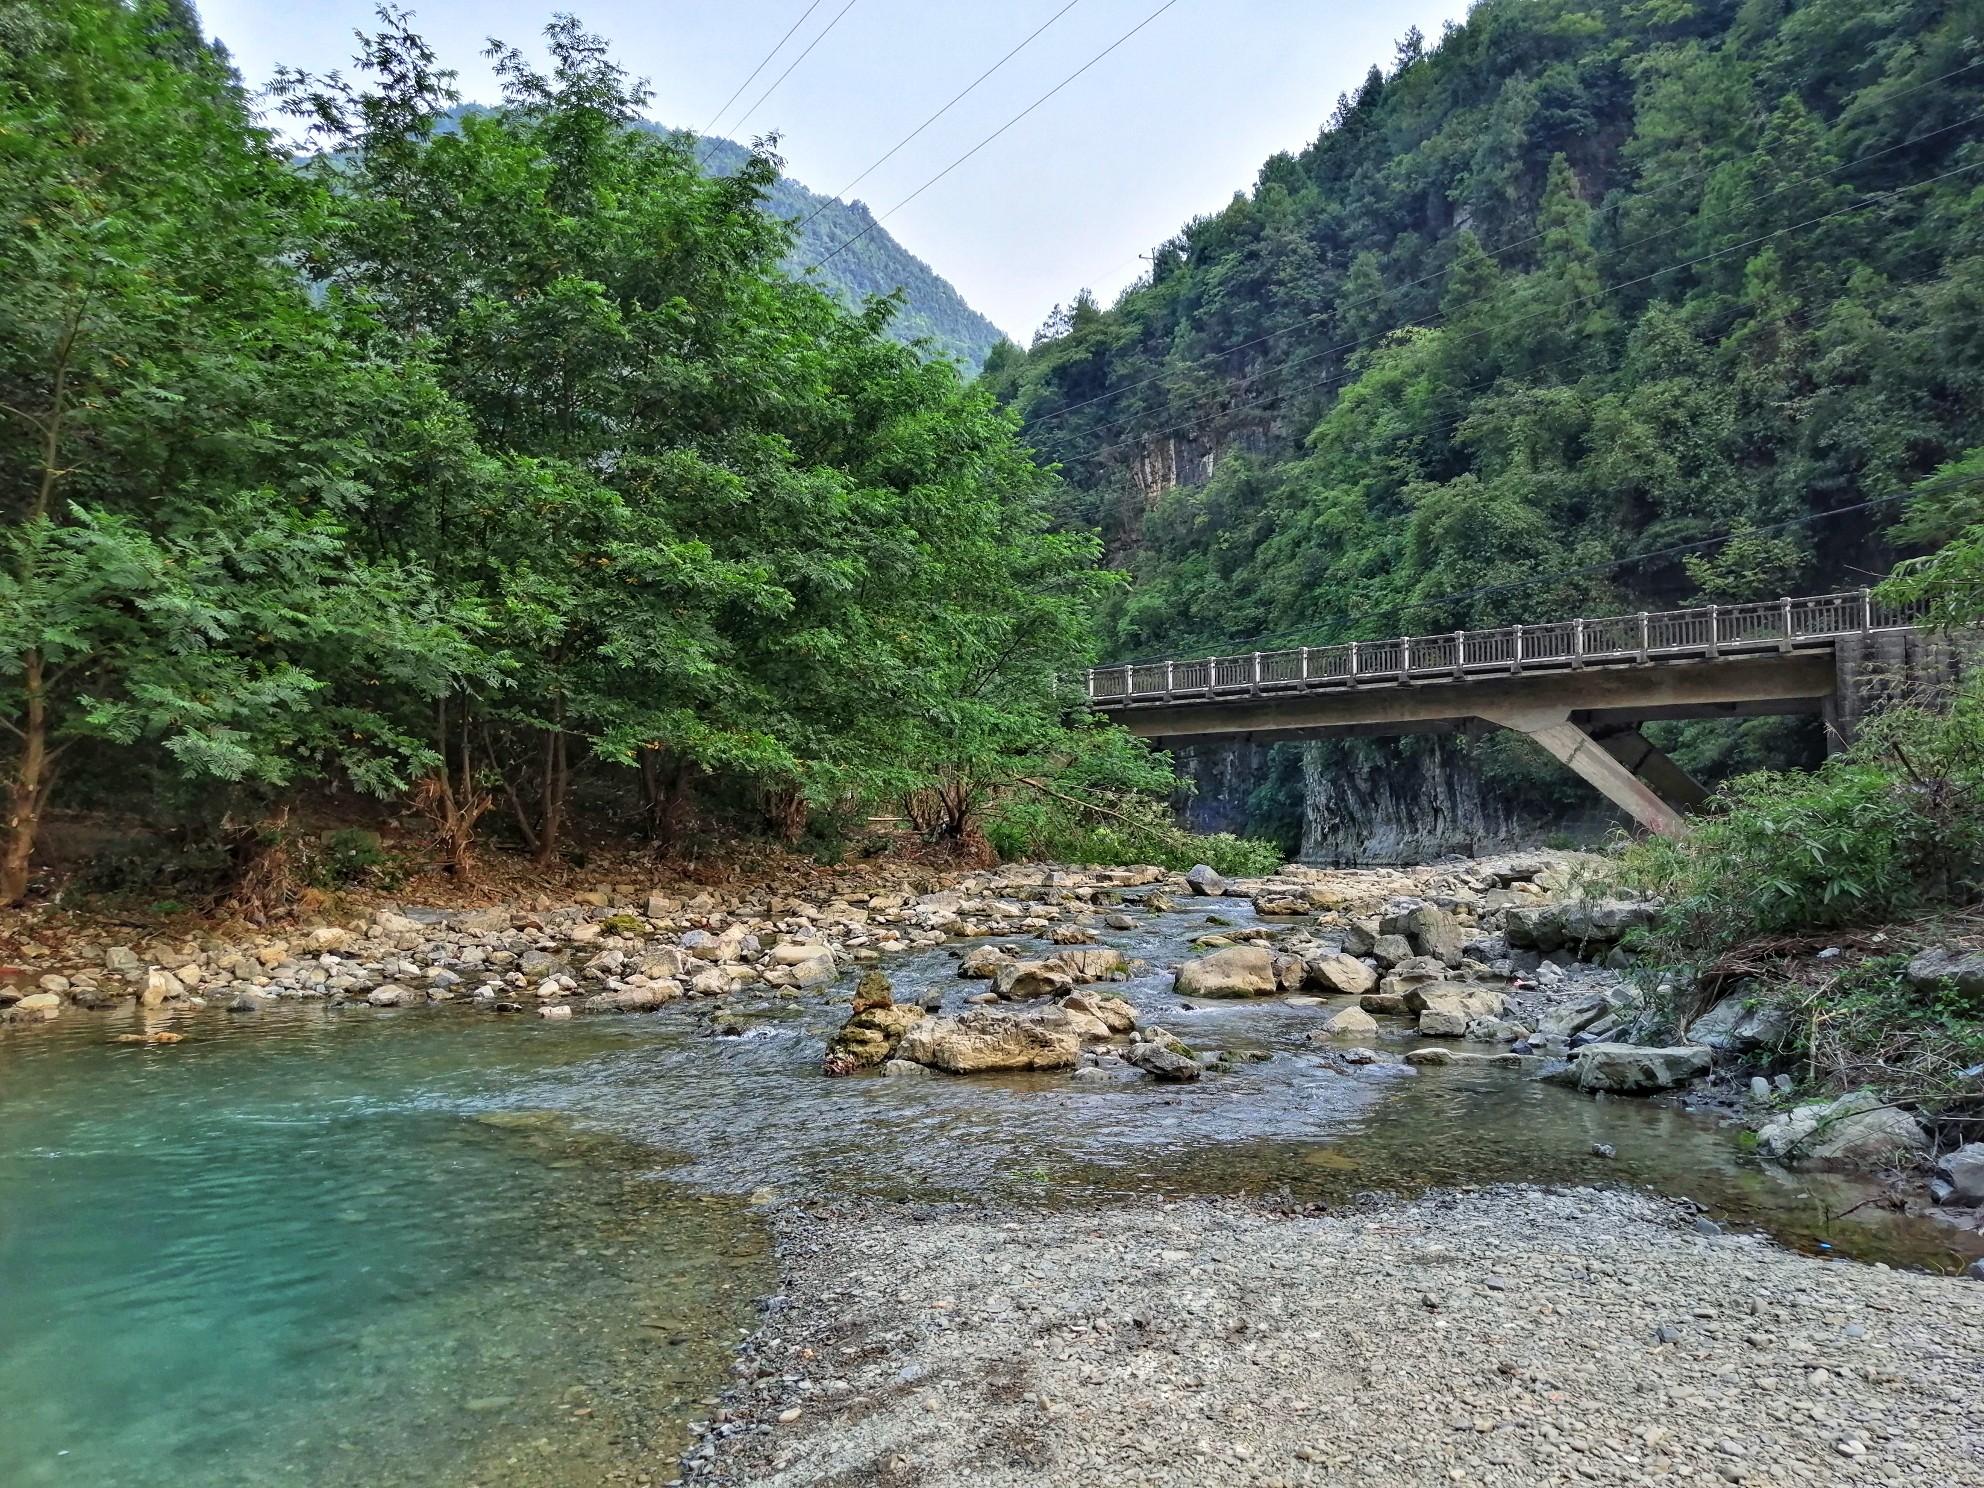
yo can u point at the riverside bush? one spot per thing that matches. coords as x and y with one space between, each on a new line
1892 827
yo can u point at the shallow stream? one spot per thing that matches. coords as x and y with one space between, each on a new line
325 1247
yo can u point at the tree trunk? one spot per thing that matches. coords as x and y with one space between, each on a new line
27 787
557 777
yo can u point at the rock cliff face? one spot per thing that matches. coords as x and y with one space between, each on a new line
1387 801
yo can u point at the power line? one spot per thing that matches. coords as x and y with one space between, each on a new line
1390 291
704 131
878 221
955 99
759 102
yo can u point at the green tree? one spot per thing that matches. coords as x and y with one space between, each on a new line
171 569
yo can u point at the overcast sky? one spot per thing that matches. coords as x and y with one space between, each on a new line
1166 127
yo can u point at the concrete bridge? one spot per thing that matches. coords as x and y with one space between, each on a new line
1579 688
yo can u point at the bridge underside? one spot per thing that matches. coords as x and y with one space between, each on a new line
1587 717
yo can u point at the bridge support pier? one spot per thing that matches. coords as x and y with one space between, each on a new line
1553 729
1637 753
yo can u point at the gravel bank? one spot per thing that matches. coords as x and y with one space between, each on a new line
1515 1337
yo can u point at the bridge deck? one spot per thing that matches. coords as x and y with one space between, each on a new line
1546 681
1704 633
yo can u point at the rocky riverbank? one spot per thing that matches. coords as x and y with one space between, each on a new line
1514 1336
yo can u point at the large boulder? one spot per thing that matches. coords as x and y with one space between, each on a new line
1204 880
1342 974
1022 981
1468 998
1603 922
1115 1014
633 999
1435 933
986 1039
1733 1026
1239 971
1290 972
1857 1130
1628 1069
1360 937
1537 928
1938 967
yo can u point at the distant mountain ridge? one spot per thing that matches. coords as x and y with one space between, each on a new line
877 264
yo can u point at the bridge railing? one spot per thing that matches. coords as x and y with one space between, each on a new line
1610 640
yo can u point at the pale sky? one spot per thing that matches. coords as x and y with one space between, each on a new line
1165 128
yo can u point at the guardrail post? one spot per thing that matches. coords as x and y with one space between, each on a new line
1785 609
1866 610
1255 685
1642 637
1460 656
1516 664
1088 682
1356 664
1170 679
1715 630
1305 664
1405 658
1577 643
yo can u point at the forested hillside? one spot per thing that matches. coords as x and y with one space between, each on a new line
1581 282
873 264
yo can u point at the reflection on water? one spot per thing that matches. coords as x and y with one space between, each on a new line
340 1248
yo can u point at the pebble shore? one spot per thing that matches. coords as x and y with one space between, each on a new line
1514 1336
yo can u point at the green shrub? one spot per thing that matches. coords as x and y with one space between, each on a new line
1890 828
1128 829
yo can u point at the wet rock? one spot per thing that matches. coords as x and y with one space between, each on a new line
1204 881
987 1039
1963 1171
633 999
1096 965
1628 1069
1115 1014
555 1010
1239 971
1496 1031
1022 981
159 987
1163 1057
250 1002
1347 1022
1290 972
904 1069
1383 1004
394 995
875 1032
1857 1130
1734 1027
1342 974
983 961
39 1007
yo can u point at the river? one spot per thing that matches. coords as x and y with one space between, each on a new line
323 1246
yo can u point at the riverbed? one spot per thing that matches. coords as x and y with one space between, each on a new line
328 1246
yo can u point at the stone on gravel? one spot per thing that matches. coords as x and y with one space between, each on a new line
1732 1026
1963 1170
1939 966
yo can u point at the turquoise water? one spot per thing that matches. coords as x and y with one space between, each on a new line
317 1248
313 1252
